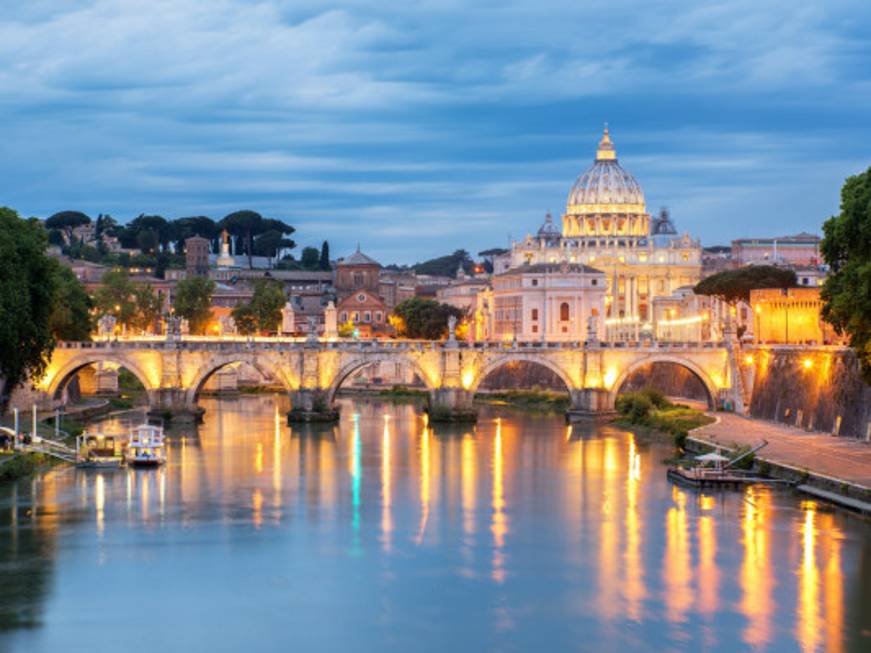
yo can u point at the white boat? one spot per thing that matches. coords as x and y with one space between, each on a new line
98 451
145 446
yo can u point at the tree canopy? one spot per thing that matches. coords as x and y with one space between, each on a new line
324 262
71 317
66 221
264 309
310 258
245 225
192 301
28 281
846 247
446 266
134 305
733 286
421 318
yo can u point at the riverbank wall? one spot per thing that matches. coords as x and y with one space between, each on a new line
819 389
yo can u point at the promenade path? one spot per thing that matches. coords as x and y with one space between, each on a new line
846 459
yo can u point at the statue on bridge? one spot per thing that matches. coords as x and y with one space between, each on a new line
452 328
106 326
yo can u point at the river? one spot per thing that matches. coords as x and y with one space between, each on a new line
382 534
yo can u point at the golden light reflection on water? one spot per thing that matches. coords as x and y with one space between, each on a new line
755 576
499 524
677 567
623 546
634 589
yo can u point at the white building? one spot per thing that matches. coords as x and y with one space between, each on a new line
543 302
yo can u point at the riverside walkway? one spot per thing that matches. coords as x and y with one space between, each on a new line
844 459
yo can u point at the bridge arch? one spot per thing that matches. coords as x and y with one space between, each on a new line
496 363
711 388
57 380
358 363
266 367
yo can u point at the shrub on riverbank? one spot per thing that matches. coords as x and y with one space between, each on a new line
402 391
651 409
538 399
20 466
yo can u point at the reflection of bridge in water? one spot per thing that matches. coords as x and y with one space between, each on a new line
174 371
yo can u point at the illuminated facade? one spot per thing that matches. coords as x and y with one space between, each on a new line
790 316
606 226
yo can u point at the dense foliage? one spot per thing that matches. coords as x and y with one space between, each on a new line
263 312
192 301
70 317
424 319
28 280
733 286
446 266
846 247
652 409
135 306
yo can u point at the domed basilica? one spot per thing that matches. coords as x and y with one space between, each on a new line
606 226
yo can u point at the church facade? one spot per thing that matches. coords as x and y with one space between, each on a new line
606 226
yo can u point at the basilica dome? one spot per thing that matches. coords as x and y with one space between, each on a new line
605 187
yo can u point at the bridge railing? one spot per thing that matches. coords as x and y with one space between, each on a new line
224 344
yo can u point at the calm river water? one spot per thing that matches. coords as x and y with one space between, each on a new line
380 534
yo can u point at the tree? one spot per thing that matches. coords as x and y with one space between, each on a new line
106 224
156 226
27 287
243 225
267 302
271 243
245 319
184 228
66 221
71 317
193 300
148 308
324 262
733 286
425 319
115 297
310 258
446 266
846 247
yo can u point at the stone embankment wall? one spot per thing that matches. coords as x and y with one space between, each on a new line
818 390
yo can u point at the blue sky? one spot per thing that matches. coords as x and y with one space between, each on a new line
419 128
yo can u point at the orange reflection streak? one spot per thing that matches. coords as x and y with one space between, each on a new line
386 519
834 589
498 525
144 489
634 589
276 464
608 603
676 567
100 504
709 573
755 575
468 469
258 458
808 617
424 483
257 508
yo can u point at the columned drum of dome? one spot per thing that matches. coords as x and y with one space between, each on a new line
606 201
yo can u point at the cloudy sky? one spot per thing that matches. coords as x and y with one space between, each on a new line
422 127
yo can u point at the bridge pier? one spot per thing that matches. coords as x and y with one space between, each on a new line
311 405
452 405
172 404
590 402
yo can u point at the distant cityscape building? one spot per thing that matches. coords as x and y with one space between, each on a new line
196 256
357 290
790 316
801 250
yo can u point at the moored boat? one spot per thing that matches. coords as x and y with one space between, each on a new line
145 446
98 451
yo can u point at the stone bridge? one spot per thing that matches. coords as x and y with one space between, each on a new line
174 371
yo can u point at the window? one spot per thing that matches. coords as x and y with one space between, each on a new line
535 328
594 282
534 313
535 282
355 316
358 279
367 316
564 312
378 316
361 298
343 317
